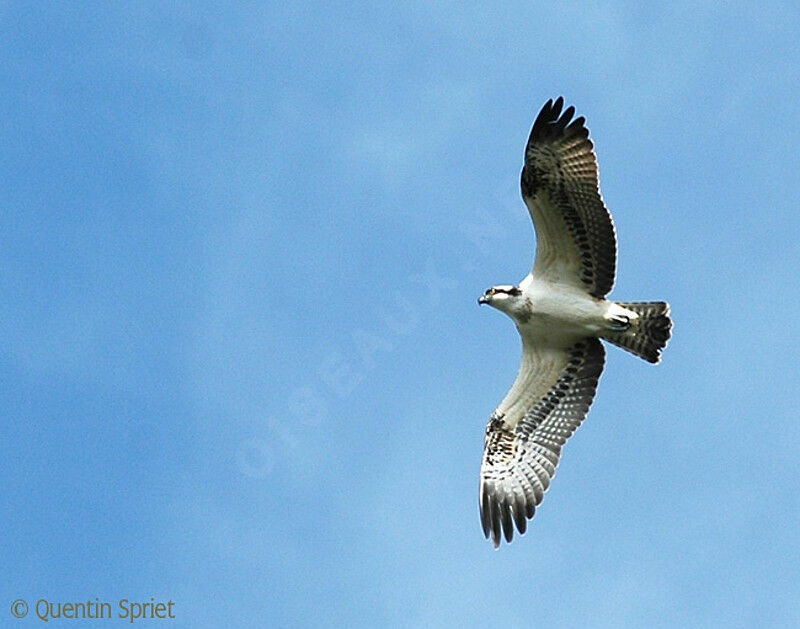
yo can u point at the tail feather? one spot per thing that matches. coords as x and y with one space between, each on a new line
648 333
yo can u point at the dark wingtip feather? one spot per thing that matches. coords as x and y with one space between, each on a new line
519 515
552 123
496 530
485 512
544 117
566 117
494 521
577 123
505 517
559 103
501 512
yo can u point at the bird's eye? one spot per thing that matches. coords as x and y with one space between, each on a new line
492 291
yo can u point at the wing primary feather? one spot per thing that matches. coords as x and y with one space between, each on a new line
551 122
576 125
519 514
537 489
495 517
505 515
565 118
541 121
486 510
530 509
556 109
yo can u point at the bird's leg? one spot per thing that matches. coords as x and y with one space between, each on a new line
618 322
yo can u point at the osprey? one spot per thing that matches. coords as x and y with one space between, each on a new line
561 314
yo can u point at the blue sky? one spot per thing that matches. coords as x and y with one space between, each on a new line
243 365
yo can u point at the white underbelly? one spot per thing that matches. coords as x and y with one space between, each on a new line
562 313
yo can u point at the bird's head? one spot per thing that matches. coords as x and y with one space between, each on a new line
508 299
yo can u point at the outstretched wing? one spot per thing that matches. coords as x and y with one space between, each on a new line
526 432
576 244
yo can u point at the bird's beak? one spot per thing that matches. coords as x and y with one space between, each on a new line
483 299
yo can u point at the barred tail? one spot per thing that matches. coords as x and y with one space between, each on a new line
647 334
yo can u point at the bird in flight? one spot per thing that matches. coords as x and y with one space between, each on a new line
561 313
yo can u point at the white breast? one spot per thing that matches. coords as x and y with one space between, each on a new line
561 313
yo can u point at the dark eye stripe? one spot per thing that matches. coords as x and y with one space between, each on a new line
511 290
